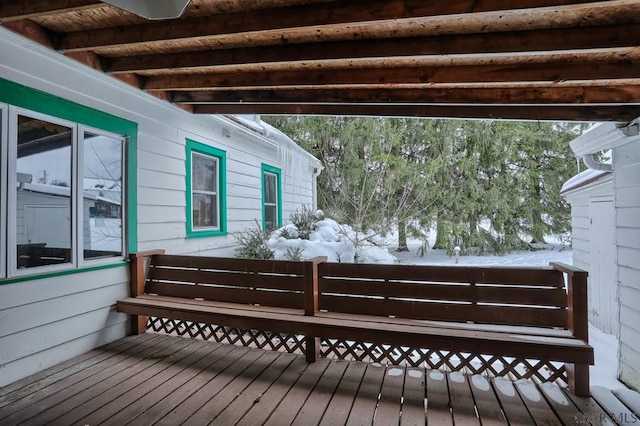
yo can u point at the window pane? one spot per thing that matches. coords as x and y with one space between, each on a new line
270 194
102 196
204 173
205 211
271 217
43 193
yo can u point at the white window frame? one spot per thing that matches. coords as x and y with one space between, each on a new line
12 183
82 129
216 194
4 174
275 204
8 194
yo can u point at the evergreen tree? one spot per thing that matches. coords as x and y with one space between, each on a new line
487 186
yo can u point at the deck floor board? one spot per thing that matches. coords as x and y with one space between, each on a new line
413 397
165 380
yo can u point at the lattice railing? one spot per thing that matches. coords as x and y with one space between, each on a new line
488 365
234 336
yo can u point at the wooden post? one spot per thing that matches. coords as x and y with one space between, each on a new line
311 303
577 322
137 275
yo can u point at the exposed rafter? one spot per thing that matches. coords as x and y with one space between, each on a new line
527 59
506 112
624 35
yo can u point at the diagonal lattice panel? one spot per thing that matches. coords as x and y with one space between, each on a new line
490 365
240 337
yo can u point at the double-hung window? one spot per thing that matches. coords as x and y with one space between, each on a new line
271 197
206 201
62 185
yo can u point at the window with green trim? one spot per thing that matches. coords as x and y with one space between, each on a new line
62 185
271 197
206 190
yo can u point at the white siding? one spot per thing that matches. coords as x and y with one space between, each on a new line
601 294
46 321
627 187
49 320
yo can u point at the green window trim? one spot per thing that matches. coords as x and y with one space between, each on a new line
221 156
81 270
35 100
265 168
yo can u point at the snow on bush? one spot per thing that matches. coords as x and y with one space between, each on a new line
339 243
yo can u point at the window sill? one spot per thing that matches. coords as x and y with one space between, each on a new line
43 275
206 234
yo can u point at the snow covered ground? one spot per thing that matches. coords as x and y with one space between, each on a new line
336 242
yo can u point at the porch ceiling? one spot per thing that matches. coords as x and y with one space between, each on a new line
512 59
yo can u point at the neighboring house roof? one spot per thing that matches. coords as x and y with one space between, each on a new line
604 136
58 191
586 178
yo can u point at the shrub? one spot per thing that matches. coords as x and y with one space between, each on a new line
305 221
294 254
253 244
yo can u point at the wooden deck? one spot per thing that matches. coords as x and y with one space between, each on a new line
158 379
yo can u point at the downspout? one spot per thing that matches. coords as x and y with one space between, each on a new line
316 173
591 163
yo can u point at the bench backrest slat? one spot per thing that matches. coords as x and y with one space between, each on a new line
459 292
268 283
224 278
545 277
260 296
230 263
512 296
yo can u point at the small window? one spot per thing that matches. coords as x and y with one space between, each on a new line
206 214
271 198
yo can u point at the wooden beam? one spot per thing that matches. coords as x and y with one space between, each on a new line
32 31
355 20
507 112
17 10
606 94
612 64
523 41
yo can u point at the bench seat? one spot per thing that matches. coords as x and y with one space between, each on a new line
393 331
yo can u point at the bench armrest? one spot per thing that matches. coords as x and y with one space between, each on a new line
137 270
311 285
577 310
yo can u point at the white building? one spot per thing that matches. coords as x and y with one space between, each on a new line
605 208
186 183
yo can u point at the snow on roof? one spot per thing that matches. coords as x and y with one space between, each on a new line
583 179
59 191
270 133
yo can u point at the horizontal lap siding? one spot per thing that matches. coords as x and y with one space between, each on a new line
627 186
582 236
47 321
580 232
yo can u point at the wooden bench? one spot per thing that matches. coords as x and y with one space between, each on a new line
499 312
